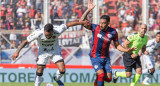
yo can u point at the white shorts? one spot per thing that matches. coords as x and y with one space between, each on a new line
149 61
43 58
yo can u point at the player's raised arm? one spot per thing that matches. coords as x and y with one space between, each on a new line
15 55
84 16
90 7
121 48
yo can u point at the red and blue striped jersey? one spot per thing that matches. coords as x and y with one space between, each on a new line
101 41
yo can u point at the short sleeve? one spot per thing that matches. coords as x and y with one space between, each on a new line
93 26
146 40
115 36
33 36
131 38
60 29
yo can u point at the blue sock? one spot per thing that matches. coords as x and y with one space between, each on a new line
100 81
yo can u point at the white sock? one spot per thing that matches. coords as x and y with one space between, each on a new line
38 80
58 75
145 71
147 78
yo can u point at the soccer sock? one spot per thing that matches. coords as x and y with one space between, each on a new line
121 74
38 80
135 79
100 80
59 75
95 82
145 71
148 77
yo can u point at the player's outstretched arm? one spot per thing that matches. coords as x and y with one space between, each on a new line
121 48
15 55
76 23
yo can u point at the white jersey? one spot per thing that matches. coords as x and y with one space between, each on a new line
51 45
152 46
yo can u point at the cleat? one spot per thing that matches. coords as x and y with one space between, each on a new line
115 78
145 83
59 82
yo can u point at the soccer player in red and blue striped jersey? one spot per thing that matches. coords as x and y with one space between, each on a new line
102 37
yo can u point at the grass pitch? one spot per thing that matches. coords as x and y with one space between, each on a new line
73 84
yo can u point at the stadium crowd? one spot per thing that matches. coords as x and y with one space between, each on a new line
25 14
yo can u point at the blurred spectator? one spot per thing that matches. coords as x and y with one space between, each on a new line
154 13
8 2
25 31
27 19
2 25
127 30
39 5
21 11
20 24
28 2
3 46
151 22
130 18
32 12
21 3
38 18
13 39
65 11
2 12
157 29
9 10
119 4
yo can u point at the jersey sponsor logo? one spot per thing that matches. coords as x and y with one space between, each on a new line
47 50
95 66
109 36
47 45
100 36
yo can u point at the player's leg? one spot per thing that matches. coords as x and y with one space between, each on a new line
39 73
61 69
41 62
58 60
98 67
108 71
128 68
150 63
138 69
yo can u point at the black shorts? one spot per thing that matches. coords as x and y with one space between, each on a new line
130 63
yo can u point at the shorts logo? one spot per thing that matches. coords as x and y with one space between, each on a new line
95 66
99 35
109 36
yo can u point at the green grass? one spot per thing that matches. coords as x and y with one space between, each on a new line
72 84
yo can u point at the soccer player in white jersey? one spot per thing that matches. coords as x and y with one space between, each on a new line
47 39
148 57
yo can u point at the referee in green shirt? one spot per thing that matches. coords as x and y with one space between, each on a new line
132 59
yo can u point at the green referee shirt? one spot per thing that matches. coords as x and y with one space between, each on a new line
137 41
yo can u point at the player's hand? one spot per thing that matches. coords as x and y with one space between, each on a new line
131 49
146 52
15 55
90 5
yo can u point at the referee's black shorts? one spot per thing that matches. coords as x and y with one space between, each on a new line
130 63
